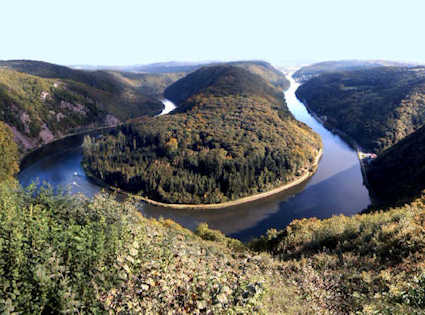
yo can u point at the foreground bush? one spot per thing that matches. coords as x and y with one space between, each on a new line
365 263
63 254
68 254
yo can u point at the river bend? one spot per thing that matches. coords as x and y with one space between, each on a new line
336 188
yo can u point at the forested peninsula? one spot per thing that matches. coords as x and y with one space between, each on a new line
231 136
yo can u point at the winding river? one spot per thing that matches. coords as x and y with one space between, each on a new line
336 188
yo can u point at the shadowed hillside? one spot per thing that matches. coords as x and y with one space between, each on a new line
376 107
399 172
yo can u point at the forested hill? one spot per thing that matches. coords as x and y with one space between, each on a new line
398 174
264 69
232 136
219 81
377 107
308 72
110 94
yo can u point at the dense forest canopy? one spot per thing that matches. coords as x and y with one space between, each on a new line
153 84
308 72
231 136
376 107
265 70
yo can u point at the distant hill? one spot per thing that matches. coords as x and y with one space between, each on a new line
97 79
170 67
217 80
151 77
158 67
231 136
265 70
398 174
152 84
307 72
376 107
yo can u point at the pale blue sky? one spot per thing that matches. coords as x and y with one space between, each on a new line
135 32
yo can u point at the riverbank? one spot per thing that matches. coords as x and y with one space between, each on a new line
300 179
349 140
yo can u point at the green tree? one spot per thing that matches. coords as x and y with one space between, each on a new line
8 152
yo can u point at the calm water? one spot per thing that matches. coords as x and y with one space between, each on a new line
336 188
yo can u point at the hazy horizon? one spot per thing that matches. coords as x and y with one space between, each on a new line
280 32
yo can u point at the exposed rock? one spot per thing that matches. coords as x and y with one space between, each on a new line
74 107
44 95
60 116
45 134
25 119
111 120
21 139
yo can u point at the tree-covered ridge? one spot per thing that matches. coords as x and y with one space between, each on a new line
220 81
97 79
153 84
110 94
398 174
376 107
9 154
231 136
308 72
265 70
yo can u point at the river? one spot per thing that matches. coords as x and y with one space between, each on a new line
336 188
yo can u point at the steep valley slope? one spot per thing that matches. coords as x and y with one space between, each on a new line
41 102
398 174
375 107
